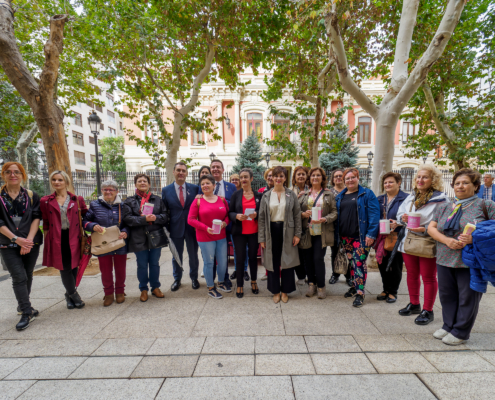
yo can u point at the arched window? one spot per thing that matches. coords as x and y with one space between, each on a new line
364 133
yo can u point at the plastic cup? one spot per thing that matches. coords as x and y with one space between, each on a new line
384 226
217 226
413 220
316 213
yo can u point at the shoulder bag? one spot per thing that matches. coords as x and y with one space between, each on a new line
421 246
391 238
156 239
108 241
341 261
305 242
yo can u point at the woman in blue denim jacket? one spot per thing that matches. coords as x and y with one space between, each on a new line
358 219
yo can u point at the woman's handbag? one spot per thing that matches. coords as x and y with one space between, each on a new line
107 242
341 261
421 246
156 239
84 238
390 241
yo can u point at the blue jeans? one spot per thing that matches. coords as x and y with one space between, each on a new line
210 251
144 259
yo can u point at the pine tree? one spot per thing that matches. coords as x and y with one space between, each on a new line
250 156
340 152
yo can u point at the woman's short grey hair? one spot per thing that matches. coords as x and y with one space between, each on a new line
248 170
110 183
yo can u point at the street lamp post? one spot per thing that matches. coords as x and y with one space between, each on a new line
425 158
94 124
156 158
267 159
227 120
370 158
212 156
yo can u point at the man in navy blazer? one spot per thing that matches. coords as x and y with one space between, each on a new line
178 197
223 189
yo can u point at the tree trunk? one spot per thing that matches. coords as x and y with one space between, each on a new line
40 96
22 145
173 148
315 160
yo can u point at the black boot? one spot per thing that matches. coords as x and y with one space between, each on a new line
70 303
25 321
410 309
76 299
424 318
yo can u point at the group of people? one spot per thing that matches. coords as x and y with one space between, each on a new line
293 227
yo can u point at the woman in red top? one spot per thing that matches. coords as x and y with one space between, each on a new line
213 245
63 234
245 228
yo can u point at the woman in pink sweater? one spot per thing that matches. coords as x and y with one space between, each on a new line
213 245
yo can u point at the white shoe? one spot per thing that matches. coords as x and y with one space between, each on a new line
301 282
264 277
451 340
440 334
202 274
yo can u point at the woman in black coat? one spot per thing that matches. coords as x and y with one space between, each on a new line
141 222
245 229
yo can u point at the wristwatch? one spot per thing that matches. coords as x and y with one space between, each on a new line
13 239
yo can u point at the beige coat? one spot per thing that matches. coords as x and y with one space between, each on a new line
328 211
292 227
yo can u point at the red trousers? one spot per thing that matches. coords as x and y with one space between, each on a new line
427 269
107 265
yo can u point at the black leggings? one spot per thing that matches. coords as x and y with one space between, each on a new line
301 269
68 274
315 262
279 282
240 242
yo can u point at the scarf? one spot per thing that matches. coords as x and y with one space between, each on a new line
15 207
144 197
452 225
379 247
420 199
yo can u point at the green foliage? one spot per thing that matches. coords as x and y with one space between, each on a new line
250 156
340 151
15 114
112 149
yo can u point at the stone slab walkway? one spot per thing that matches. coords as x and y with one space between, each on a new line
191 346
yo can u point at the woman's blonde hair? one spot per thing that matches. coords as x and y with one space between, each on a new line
63 174
435 174
233 176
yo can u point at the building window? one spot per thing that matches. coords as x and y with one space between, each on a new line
364 124
283 124
78 119
91 139
102 127
78 138
93 158
109 101
79 158
409 130
197 138
111 116
94 106
112 132
121 126
255 125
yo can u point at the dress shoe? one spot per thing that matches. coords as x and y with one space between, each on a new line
311 290
254 287
284 298
246 276
392 299
382 296
358 301
120 298
144 296
410 309
195 284
70 303
440 334
451 340
333 279
239 295
276 298
424 318
175 286
351 292
25 321
108 300
158 293
76 299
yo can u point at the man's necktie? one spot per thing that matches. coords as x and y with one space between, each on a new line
217 188
181 197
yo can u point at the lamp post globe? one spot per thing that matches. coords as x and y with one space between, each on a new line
424 159
94 122
267 159
212 156
227 120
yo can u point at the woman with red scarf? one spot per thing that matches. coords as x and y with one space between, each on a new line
144 213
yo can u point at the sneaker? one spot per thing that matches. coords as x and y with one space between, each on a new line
246 276
213 293
311 290
301 282
224 288
451 340
233 275
440 334
19 311
351 292
264 277
25 321
35 312
358 301
322 293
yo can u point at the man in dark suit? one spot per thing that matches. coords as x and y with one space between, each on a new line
178 197
223 189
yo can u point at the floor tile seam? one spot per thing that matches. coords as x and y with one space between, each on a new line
293 389
484 358
427 386
137 365
197 320
30 386
160 388
11 372
373 365
152 344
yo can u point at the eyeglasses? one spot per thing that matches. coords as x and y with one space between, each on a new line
109 190
9 172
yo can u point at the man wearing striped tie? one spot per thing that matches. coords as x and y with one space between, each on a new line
178 197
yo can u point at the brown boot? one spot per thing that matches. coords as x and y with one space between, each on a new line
311 290
158 293
144 296
108 300
120 297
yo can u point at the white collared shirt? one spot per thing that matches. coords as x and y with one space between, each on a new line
177 190
221 189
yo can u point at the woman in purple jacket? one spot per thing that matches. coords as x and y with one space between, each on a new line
104 213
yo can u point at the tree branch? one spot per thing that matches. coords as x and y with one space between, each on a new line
25 140
305 97
338 53
432 54
442 128
331 82
163 92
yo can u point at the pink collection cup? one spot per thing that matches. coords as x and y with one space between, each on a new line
413 220
217 226
384 226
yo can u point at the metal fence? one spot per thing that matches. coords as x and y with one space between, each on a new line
85 182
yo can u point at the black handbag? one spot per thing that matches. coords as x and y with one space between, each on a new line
157 239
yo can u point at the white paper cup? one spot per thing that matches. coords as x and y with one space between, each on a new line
384 226
413 220
316 213
217 226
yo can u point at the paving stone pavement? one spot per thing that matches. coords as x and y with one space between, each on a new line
191 346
